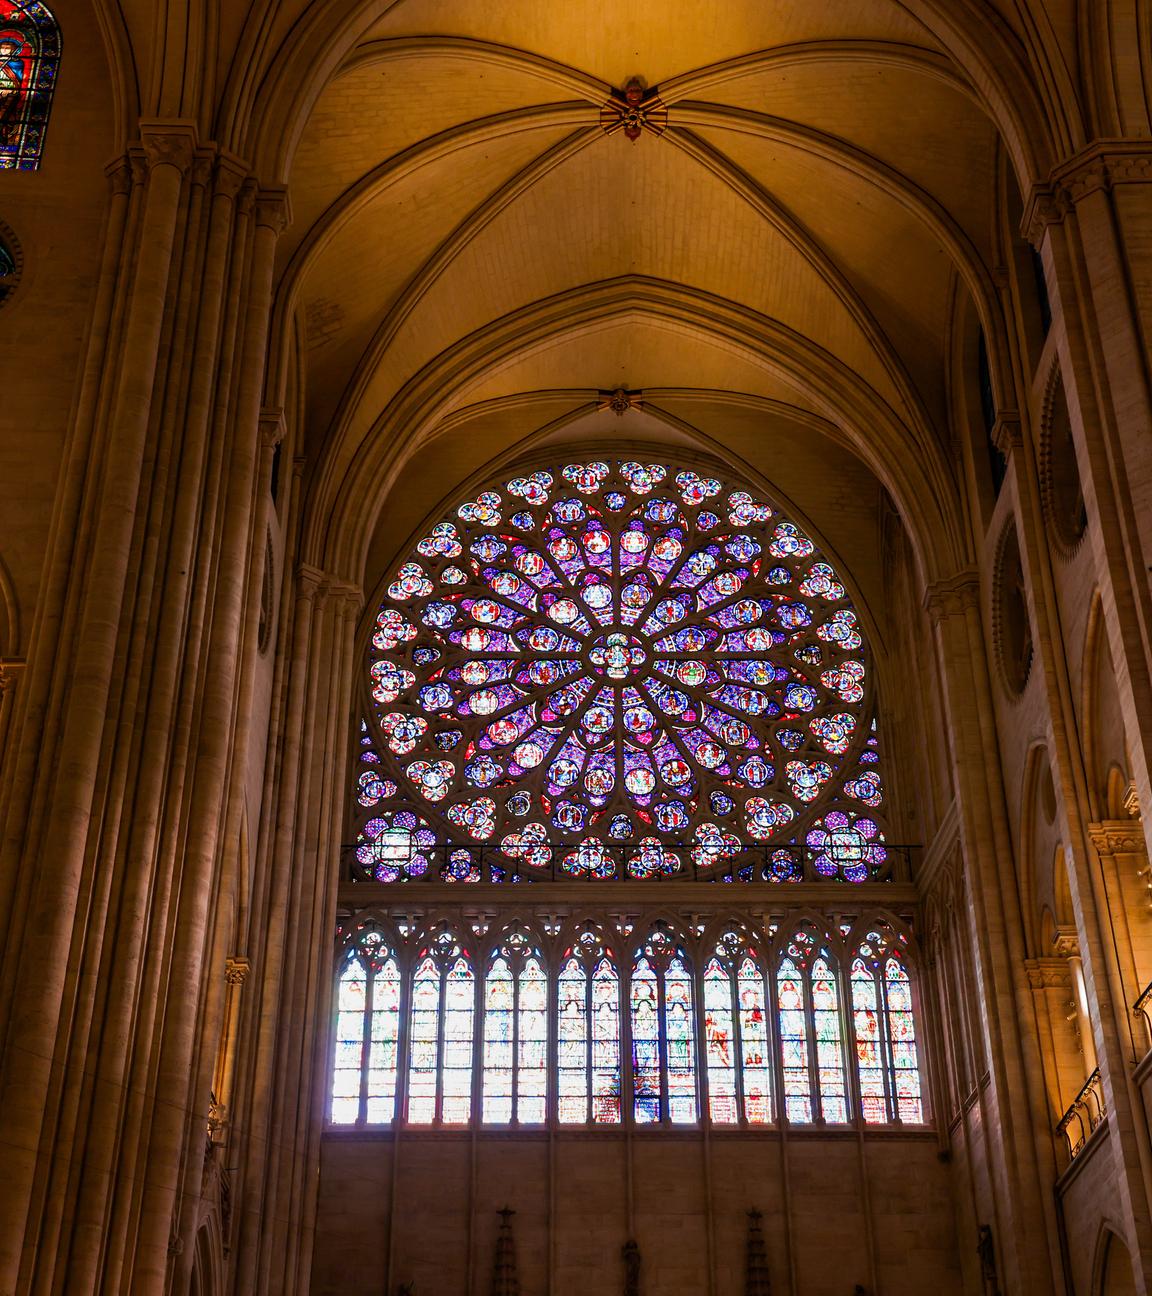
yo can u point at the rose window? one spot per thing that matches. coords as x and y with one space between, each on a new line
617 661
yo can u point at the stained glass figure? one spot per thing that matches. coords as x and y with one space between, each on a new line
515 1053
367 1032
615 667
663 1034
885 1032
736 1031
440 1043
811 1033
588 1025
29 63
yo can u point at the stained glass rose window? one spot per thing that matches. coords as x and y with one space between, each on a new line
617 660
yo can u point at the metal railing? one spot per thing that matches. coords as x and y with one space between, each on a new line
1084 1115
1143 1008
608 861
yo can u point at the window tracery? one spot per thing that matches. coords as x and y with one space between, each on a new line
617 668
29 63
714 1026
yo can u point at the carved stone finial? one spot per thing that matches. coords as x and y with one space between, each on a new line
634 110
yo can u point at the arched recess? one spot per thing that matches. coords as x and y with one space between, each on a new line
358 473
1105 748
1041 863
1113 1270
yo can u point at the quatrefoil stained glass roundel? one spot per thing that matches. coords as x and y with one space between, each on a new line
611 655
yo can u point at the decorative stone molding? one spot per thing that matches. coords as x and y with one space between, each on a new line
1099 167
169 143
236 969
954 596
1048 973
1117 837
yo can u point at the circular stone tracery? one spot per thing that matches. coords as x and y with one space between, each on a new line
616 653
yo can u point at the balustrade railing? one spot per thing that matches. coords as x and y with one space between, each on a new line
608 861
1084 1115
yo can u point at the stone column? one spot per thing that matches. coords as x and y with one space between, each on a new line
1018 1143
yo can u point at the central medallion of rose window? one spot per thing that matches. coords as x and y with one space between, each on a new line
618 656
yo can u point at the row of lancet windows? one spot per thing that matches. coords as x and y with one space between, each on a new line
588 1041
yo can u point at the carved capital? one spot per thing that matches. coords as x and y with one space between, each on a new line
271 425
119 173
203 163
1117 837
1100 166
1048 973
954 596
1007 435
231 173
246 198
11 669
273 210
236 969
169 143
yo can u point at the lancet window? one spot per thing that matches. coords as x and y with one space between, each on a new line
739 1063
663 1031
515 1035
588 1030
885 1033
29 63
811 1032
744 1029
367 1034
443 1010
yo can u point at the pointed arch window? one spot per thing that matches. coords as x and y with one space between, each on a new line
811 1033
29 63
364 1068
663 1034
588 1027
736 1035
441 1033
887 1058
515 1085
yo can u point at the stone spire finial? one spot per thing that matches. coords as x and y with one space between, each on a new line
505 1280
757 1281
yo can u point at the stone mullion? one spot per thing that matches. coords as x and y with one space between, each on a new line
40 982
199 866
1023 1212
272 962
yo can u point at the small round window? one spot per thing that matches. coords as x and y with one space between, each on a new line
1064 496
